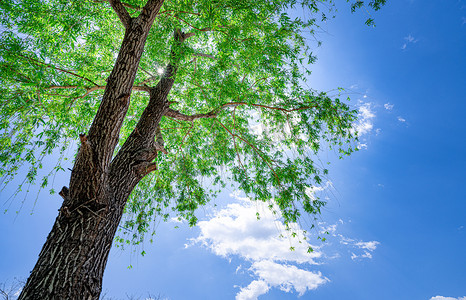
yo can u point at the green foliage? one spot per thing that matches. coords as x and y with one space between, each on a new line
55 57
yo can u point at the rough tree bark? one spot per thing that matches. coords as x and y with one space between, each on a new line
73 259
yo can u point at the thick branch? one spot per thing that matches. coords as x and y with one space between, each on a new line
150 10
105 129
124 4
179 116
212 114
121 12
144 135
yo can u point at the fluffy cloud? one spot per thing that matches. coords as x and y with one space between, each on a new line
371 246
447 298
265 244
235 230
253 290
288 277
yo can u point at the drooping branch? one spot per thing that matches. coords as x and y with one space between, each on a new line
121 12
55 68
254 148
89 90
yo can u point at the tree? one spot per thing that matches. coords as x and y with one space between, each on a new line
171 100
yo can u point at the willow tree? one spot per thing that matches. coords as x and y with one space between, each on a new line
170 101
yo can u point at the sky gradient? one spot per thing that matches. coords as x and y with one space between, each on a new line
396 212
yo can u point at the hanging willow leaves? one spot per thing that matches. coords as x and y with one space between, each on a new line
239 111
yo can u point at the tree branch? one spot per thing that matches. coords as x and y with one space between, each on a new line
150 10
56 68
124 4
140 88
258 152
121 12
234 104
175 114
181 12
179 116
204 55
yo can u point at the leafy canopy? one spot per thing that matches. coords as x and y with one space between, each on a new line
244 68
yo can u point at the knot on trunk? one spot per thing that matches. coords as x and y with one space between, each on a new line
64 193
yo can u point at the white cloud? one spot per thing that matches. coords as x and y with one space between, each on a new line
409 40
447 298
288 277
238 269
365 122
362 146
313 190
388 106
330 228
367 247
253 290
236 231
371 246
365 119
176 220
401 119
366 254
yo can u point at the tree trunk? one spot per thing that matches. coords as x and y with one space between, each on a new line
73 259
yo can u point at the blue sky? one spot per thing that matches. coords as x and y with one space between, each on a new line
396 210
